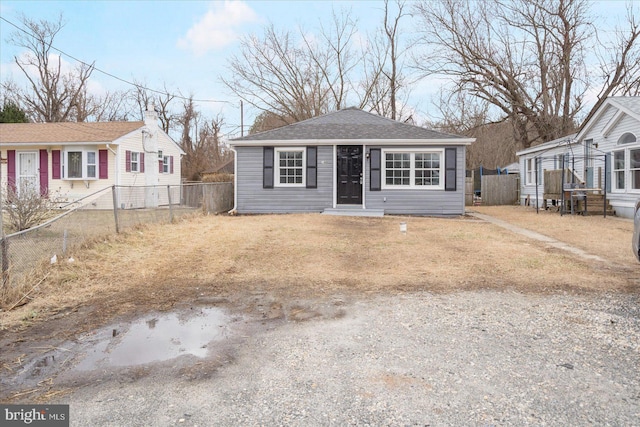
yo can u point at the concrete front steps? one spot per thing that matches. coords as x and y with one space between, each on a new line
353 210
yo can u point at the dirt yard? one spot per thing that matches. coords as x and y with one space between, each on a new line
286 258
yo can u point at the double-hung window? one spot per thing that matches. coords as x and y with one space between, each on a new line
634 168
626 164
618 169
135 161
530 171
80 164
413 169
165 164
290 167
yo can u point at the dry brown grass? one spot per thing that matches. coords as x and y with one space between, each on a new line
300 256
609 238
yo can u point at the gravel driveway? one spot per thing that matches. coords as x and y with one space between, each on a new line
468 358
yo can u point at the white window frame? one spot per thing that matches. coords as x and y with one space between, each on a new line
276 161
135 164
165 164
412 169
630 179
84 163
530 170
616 171
626 170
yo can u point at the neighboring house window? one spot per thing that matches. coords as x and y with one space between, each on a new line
135 161
627 138
634 168
530 171
165 164
290 166
618 170
408 169
80 164
626 164
558 161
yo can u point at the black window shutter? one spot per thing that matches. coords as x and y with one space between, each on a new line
312 167
450 177
375 175
267 167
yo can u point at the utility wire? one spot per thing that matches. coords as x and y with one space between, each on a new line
112 75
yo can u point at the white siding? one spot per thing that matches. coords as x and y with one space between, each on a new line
622 201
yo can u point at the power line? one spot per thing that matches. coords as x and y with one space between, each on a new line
112 75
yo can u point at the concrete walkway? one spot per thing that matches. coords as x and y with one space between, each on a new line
537 236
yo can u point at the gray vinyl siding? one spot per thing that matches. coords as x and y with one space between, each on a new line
252 198
419 202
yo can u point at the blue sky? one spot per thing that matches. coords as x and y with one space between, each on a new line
186 44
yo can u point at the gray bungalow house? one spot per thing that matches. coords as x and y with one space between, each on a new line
350 161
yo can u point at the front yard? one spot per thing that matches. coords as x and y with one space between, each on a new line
290 256
364 318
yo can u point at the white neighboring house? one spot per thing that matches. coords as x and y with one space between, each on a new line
604 154
74 160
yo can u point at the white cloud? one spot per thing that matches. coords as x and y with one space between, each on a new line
218 27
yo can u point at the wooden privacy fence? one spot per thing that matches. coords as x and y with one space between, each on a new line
211 196
500 189
468 191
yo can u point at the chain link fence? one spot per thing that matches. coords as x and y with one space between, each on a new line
106 212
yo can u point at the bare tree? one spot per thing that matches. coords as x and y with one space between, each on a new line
274 73
162 101
391 30
201 140
266 121
112 106
52 94
619 62
334 56
525 58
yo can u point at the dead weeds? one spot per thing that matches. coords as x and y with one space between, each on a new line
305 256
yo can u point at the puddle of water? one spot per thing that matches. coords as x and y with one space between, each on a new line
158 338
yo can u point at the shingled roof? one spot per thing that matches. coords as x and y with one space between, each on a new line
47 133
350 124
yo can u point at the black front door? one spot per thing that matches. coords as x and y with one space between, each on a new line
350 174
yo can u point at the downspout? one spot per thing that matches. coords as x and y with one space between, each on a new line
116 182
235 182
117 168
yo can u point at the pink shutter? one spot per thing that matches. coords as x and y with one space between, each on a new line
55 164
44 173
127 160
103 164
170 164
11 169
160 164
141 157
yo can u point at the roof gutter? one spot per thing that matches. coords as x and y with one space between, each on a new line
369 142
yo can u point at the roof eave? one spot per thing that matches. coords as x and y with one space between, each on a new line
57 143
302 142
